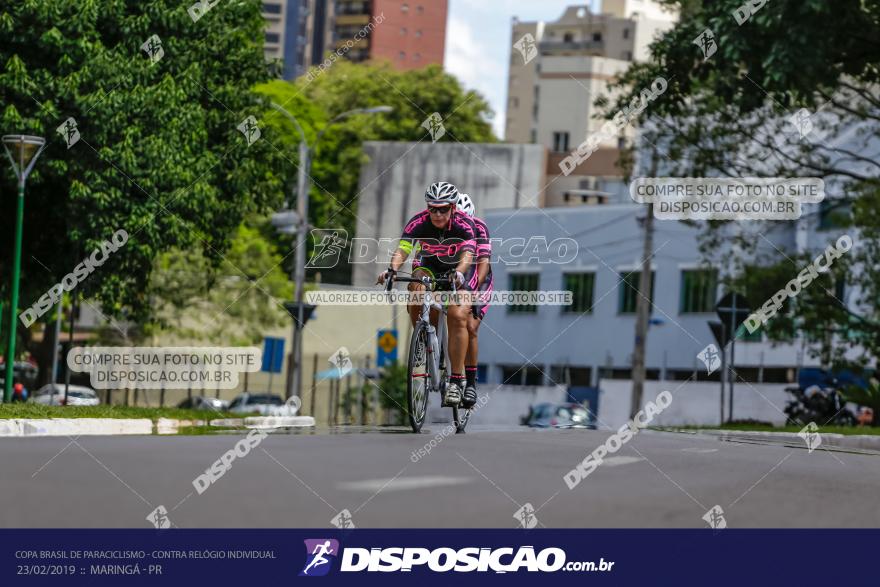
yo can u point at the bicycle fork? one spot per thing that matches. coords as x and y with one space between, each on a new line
433 359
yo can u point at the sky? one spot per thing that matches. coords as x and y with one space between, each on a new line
478 43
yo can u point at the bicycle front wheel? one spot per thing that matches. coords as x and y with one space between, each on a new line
417 377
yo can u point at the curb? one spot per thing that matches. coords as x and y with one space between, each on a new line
264 422
26 427
856 441
74 427
278 421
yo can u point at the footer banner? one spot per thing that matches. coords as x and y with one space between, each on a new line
436 557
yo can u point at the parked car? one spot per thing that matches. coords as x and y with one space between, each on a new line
548 415
256 403
201 402
77 395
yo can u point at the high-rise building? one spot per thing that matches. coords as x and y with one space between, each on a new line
410 34
297 32
557 71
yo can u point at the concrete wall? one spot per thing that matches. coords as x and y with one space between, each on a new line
693 403
393 183
505 406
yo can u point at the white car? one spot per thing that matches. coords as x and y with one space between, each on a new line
264 404
77 395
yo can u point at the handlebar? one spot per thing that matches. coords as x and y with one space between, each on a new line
425 280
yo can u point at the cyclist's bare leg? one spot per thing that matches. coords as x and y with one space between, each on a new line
457 321
415 309
472 350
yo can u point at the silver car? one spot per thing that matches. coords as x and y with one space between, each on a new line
77 395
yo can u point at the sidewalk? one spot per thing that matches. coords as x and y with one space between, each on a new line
844 441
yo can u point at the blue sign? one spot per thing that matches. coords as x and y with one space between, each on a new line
386 347
273 354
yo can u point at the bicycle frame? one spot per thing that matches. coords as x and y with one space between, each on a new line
438 338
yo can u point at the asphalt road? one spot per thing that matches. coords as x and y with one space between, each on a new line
479 479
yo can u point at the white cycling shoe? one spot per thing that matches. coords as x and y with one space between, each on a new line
452 397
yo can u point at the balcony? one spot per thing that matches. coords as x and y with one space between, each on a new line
352 19
570 47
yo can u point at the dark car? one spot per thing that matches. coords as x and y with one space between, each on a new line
548 415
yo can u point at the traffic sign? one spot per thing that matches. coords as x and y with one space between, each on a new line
386 347
292 309
732 307
273 354
719 331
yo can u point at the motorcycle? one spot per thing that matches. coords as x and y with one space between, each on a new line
823 405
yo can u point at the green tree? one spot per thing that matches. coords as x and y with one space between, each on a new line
733 114
414 95
233 304
159 152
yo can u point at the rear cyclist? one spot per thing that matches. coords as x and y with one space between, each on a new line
447 240
481 284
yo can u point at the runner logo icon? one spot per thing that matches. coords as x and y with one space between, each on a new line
320 554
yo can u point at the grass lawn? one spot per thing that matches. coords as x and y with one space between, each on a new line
850 430
29 410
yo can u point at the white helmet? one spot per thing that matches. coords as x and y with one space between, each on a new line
441 192
465 204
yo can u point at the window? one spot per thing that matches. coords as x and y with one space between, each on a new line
698 288
560 142
597 37
568 375
625 33
534 136
627 56
271 8
568 38
404 8
417 56
420 9
402 55
418 34
402 30
833 214
271 37
523 282
521 375
581 287
482 374
514 102
626 373
629 291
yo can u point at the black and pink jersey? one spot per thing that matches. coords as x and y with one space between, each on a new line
439 248
484 245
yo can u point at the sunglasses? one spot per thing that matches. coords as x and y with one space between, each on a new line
440 210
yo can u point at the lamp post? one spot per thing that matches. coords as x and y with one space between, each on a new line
23 151
298 222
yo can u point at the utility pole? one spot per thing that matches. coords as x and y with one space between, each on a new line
643 303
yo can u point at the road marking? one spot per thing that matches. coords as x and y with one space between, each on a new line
699 450
616 461
402 483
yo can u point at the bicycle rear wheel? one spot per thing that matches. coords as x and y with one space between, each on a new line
417 378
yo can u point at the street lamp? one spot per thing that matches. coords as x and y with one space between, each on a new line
290 222
23 151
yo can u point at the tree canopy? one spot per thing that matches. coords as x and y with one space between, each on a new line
785 89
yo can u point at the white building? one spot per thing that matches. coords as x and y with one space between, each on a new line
557 71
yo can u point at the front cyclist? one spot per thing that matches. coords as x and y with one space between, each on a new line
447 240
481 284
